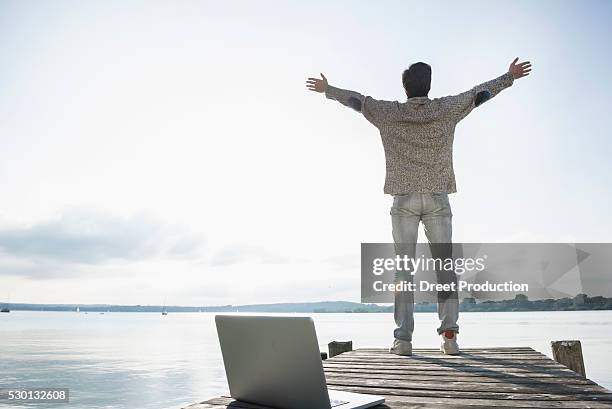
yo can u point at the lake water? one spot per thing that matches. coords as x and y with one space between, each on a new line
145 360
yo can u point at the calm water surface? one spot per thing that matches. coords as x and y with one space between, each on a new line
145 360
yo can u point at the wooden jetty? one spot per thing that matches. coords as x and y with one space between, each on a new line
479 378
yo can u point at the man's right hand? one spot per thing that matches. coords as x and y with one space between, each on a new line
317 85
519 70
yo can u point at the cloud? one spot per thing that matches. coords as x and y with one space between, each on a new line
82 236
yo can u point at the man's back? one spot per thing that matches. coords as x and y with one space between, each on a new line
418 144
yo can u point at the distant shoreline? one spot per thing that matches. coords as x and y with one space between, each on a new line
581 302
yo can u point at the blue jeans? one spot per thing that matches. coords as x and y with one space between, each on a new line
433 209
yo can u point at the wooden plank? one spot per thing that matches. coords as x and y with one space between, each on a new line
504 348
421 403
396 401
442 377
406 390
473 385
500 355
518 400
443 360
498 348
479 350
224 402
437 351
526 369
438 355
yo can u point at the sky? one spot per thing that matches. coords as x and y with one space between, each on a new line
168 152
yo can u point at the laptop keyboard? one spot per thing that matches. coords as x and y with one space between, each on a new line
336 402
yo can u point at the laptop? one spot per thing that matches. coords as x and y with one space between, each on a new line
276 362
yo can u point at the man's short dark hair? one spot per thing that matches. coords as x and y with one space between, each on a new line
417 80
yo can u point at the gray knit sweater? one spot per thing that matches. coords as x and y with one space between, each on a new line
417 135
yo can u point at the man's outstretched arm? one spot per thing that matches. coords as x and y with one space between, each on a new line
373 110
345 97
461 105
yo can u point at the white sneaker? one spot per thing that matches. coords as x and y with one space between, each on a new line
449 345
401 347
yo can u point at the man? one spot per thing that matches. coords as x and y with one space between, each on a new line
417 137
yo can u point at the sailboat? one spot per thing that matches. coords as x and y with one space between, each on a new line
164 312
6 306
